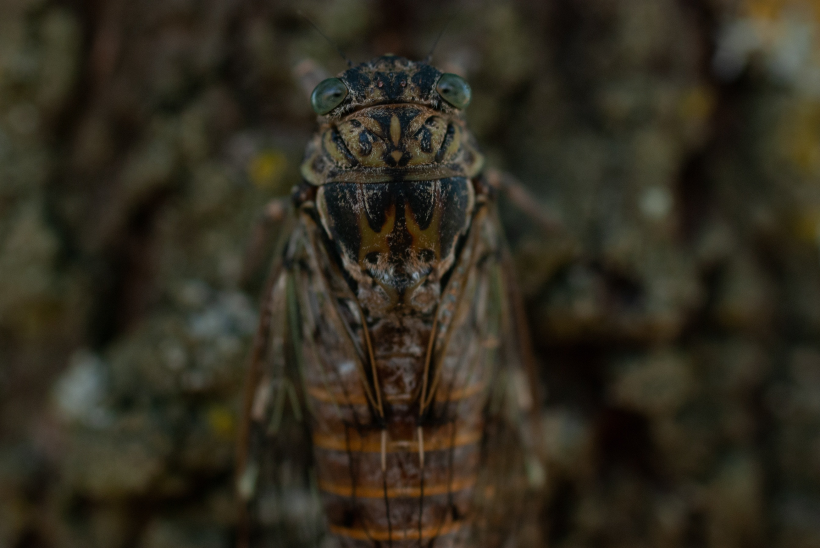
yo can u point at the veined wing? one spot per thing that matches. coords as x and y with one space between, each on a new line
507 497
276 481
307 382
307 356
481 383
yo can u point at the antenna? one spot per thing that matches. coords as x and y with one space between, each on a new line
441 33
329 41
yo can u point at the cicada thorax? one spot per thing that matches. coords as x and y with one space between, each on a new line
397 241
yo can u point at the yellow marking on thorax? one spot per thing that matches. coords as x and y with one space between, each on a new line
372 240
454 145
395 130
333 150
429 238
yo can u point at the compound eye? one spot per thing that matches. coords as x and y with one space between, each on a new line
328 95
455 90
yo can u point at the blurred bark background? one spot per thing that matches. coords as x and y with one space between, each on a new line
677 322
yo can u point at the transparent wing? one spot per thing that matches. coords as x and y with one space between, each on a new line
507 496
276 480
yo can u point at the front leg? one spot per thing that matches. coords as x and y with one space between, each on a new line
272 216
546 218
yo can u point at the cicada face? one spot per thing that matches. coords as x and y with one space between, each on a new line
389 322
393 124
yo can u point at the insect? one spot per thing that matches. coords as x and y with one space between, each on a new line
387 402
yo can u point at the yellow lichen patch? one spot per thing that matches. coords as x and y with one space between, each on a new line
764 9
771 18
266 169
801 137
221 421
771 10
697 104
806 224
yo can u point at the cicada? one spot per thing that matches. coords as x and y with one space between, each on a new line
387 401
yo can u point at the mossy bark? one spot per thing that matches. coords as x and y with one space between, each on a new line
677 318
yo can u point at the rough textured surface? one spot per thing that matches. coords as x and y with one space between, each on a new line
677 319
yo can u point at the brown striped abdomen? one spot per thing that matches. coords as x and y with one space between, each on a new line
378 485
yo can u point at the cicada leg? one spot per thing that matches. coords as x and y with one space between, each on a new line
524 200
274 213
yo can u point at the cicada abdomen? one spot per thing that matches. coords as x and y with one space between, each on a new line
385 402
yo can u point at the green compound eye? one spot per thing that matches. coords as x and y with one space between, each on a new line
328 95
455 90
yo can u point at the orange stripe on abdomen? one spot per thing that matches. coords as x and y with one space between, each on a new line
406 491
403 492
323 395
410 533
435 439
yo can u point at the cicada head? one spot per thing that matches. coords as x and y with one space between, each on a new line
391 119
394 164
